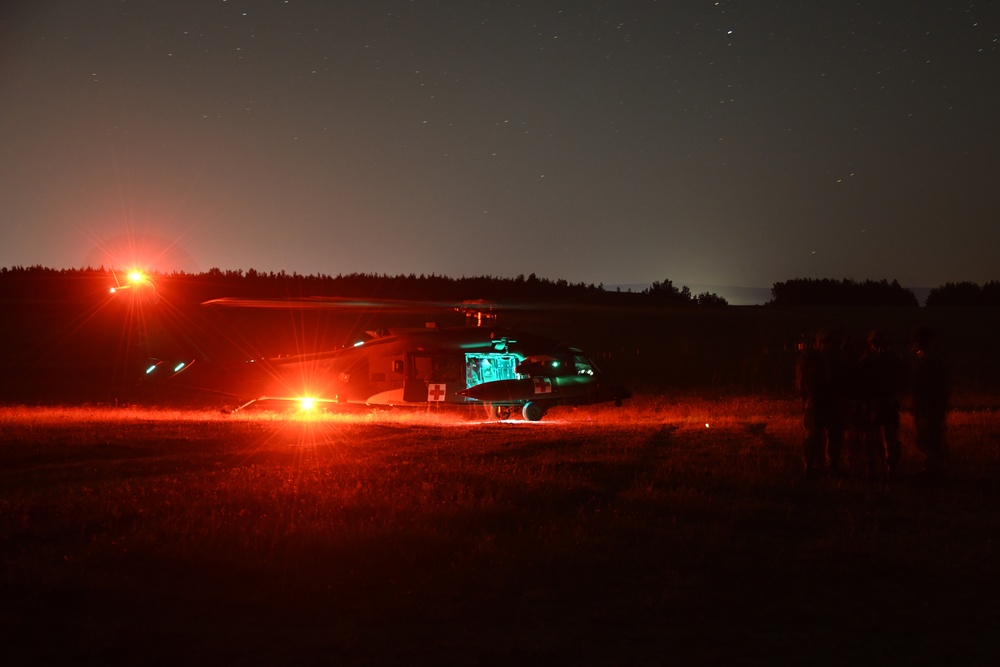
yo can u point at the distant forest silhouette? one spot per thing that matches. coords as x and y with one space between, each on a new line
827 292
965 295
41 282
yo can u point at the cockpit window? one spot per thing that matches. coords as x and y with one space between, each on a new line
583 366
561 366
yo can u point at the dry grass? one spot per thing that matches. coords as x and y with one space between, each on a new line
672 531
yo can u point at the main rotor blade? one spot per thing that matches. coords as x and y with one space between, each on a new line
337 303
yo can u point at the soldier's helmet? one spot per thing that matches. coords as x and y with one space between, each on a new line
828 339
878 339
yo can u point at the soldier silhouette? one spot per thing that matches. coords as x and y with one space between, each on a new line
820 380
882 380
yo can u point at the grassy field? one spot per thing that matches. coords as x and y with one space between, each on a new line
674 531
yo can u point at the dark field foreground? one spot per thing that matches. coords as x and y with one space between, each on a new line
663 533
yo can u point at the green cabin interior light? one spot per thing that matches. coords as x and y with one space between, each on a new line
151 369
179 366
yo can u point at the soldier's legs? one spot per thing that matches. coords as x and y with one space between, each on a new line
893 450
812 446
874 453
834 445
812 453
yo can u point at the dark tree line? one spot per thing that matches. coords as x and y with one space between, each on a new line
965 295
667 294
41 282
828 292
20 282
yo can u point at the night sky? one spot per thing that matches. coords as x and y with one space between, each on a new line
729 143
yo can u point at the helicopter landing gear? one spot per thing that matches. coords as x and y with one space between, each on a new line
532 412
502 412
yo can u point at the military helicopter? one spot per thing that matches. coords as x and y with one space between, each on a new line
480 363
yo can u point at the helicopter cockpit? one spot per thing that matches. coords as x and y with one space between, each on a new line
561 366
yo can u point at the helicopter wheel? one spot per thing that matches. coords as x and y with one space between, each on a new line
502 411
532 412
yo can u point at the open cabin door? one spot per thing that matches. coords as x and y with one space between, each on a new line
481 367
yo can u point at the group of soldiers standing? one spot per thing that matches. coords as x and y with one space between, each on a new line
851 397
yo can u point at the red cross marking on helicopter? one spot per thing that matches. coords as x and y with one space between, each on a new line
435 392
542 385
